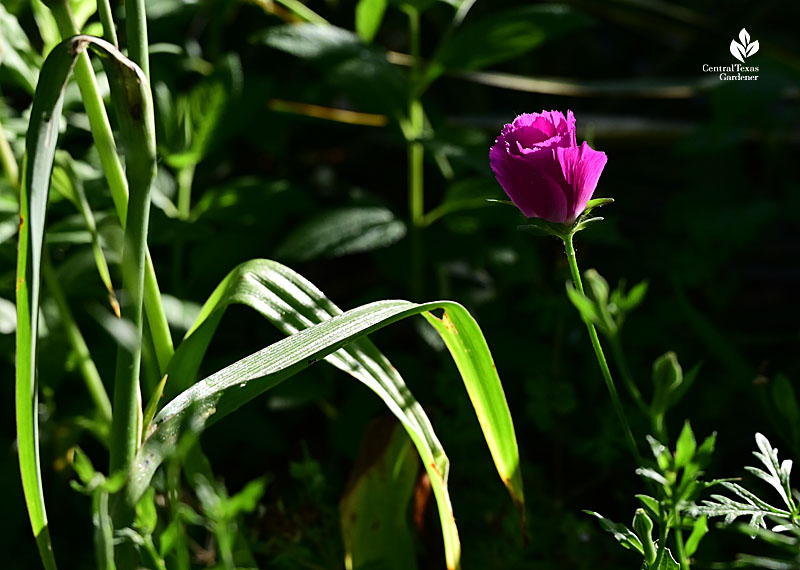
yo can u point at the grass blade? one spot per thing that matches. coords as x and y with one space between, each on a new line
218 395
292 304
40 148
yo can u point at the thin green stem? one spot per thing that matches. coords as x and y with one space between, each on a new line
185 177
662 544
598 350
138 128
94 384
625 372
136 26
115 176
680 548
416 156
98 119
107 19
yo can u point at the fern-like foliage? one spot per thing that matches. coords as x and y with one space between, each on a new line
777 475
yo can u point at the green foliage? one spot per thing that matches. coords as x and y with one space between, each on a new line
18 58
264 146
777 476
342 232
369 14
374 509
676 478
503 35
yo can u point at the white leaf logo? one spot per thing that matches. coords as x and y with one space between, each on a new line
744 49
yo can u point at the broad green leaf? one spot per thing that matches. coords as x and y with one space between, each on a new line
503 35
361 70
369 15
345 231
213 398
374 510
40 149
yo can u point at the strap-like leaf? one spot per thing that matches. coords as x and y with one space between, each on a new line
40 149
211 399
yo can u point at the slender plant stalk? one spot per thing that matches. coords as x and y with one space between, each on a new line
136 26
139 130
416 156
8 161
598 350
115 175
625 372
107 19
94 384
185 178
98 119
662 544
679 546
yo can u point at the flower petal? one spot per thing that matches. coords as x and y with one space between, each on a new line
581 167
531 189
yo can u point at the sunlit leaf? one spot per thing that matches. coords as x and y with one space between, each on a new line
211 399
40 147
369 15
621 533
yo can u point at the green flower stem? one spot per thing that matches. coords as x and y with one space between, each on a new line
136 26
416 156
185 178
662 544
115 176
598 350
106 18
625 372
679 546
94 384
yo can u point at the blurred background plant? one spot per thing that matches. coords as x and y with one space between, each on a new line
349 140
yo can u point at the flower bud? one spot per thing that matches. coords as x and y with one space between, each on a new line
539 164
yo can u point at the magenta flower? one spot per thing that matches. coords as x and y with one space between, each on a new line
543 170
